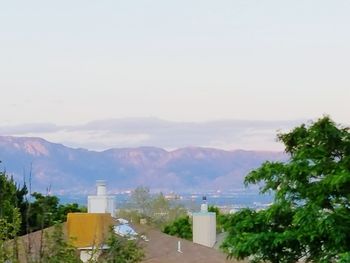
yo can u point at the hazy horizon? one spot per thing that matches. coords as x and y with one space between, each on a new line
137 132
193 64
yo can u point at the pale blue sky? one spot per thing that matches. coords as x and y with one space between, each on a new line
71 62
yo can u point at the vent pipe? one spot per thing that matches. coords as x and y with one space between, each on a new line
179 247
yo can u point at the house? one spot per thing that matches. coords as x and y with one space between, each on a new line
88 232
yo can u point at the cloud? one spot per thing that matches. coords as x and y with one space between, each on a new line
27 128
134 132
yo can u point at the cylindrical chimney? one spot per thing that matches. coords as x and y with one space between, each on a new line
204 205
101 187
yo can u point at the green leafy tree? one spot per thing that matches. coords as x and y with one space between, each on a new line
220 218
10 195
9 227
181 227
17 217
23 206
310 216
122 250
43 211
57 249
10 218
64 209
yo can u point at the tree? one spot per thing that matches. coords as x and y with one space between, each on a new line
310 216
9 227
220 218
122 250
57 249
18 216
10 218
11 196
155 208
64 209
181 227
163 211
43 211
141 199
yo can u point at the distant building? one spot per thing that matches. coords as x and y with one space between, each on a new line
101 202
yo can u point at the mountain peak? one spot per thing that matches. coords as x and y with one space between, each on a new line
77 169
31 145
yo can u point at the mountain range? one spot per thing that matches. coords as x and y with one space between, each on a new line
69 170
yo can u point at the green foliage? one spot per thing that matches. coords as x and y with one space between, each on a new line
181 227
264 235
57 249
344 257
310 216
63 210
220 218
10 217
121 250
9 227
18 217
45 211
11 196
155 208
214 209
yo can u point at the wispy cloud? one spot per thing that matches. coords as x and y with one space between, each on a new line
133 132
28 128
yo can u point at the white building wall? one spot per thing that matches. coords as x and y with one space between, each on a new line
101 203
111 205
97 204
204 228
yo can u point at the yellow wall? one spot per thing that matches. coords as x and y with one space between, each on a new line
88 229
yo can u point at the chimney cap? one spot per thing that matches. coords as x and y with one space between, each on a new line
100 182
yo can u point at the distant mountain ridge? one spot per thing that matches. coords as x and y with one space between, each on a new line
75 170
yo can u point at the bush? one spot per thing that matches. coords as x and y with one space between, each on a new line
181 227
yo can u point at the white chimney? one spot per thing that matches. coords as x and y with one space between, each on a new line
101 202
101 187
204 226
204 205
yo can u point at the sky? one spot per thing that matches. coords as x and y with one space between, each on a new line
68 64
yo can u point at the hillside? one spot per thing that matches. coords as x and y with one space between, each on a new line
67 169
